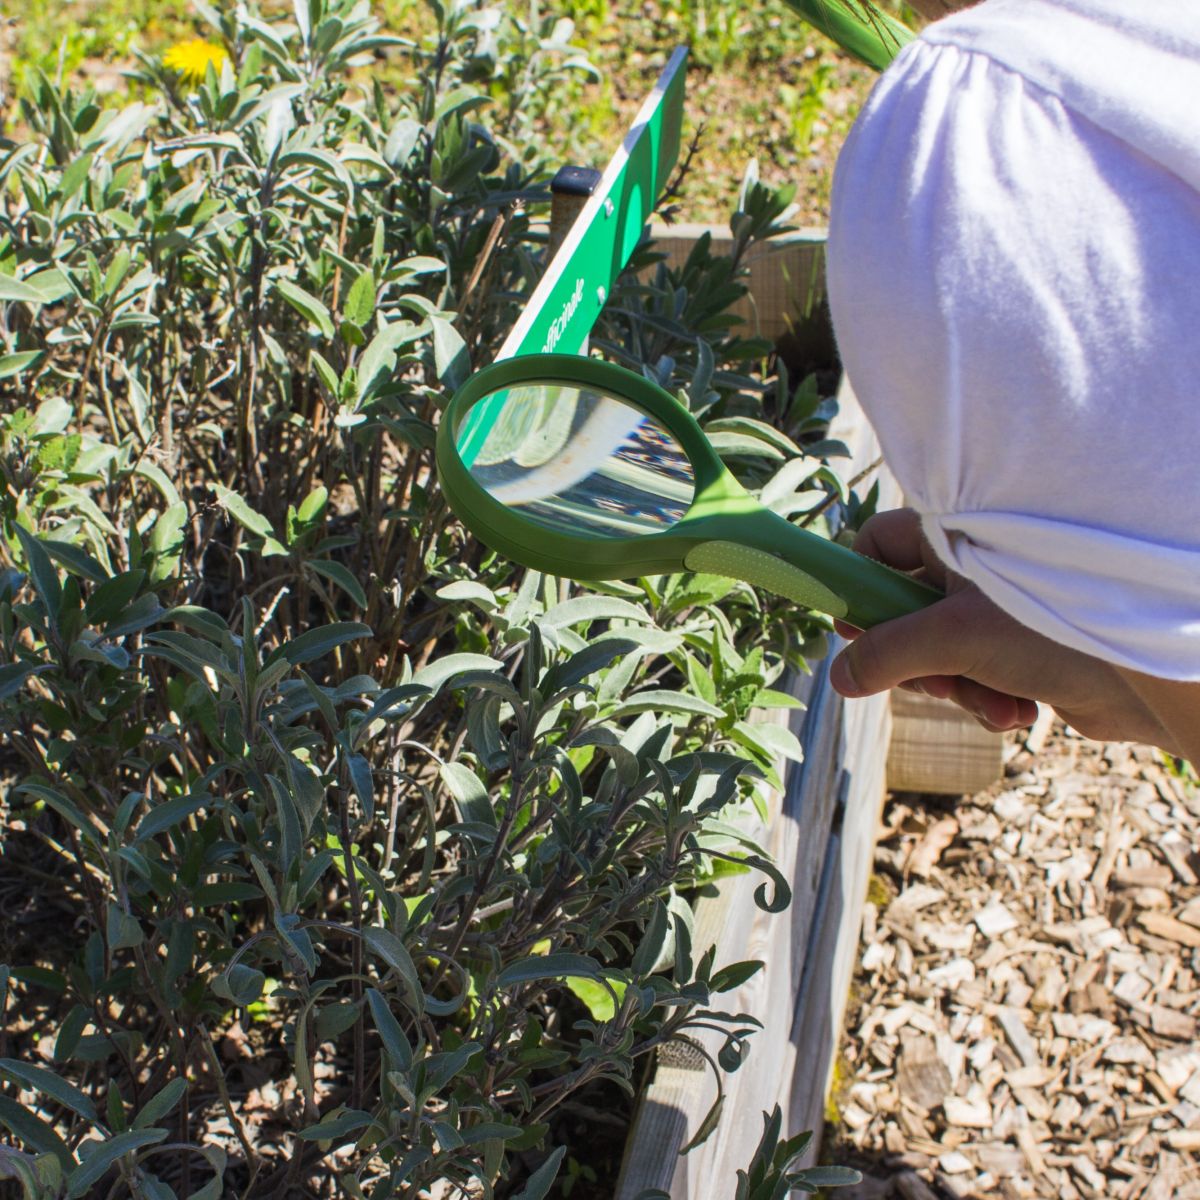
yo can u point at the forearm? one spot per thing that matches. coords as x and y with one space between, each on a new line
1176 704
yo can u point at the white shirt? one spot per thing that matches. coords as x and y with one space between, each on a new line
1014 274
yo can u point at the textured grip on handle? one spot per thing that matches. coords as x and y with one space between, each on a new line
764 570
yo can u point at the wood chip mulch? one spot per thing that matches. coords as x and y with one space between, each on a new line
1024 1018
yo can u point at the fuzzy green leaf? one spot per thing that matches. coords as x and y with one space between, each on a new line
240 985
451 360
37 1134
548 967
316 643
14 364
539 1182
160 1104
42 573
469 792
12 288
97 1163
49 1084
667 702
827 1176
240 510
337 1127
337 573
306 305
395 1044
386 945
360 299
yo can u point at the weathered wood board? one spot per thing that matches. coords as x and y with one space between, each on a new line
786 300
821 835
937 747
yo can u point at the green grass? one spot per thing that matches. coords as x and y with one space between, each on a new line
51 35
762 84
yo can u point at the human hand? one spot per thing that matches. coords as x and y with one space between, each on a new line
966 649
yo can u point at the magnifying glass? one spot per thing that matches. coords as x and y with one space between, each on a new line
580 468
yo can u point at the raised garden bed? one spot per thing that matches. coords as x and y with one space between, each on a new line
353 825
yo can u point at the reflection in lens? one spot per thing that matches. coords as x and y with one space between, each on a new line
576 461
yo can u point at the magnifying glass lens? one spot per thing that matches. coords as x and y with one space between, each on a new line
576 460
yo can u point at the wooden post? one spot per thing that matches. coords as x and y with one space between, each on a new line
569 192
937 747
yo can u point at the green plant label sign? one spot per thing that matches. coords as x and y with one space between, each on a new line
565 304
569 297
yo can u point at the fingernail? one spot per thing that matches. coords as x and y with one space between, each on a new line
841 675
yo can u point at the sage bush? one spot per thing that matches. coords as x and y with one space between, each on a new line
339 854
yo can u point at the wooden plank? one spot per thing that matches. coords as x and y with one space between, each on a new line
790 1059
678 1098
937 747
786 302
797 843
821 1001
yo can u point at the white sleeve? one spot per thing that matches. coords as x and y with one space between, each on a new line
1016 295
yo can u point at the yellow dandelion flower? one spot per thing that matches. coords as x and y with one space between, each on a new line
191 59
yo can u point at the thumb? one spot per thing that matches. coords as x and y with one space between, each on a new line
942 639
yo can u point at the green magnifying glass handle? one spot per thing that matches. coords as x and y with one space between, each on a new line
880 594
760 569
728 532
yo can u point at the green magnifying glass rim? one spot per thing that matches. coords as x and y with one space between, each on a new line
724 530
586 555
